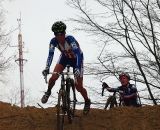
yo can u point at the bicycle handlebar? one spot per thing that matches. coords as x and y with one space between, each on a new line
61 73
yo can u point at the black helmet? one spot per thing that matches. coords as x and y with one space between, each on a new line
124 74
59 27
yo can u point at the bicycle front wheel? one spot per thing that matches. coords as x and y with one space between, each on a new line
111 102
60 111
71 99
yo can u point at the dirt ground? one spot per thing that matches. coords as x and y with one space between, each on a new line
124 118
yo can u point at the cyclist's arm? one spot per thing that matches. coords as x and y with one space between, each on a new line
50 55
108 89
112 89
105 86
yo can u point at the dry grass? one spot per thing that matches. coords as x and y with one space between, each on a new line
126 118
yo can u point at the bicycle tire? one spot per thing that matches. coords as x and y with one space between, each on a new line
111 102
107 102
71 99
60 111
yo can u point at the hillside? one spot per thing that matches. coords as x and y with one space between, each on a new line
31 118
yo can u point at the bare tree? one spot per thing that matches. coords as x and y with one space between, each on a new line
4 44
129 34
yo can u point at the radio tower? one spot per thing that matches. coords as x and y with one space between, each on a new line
20 61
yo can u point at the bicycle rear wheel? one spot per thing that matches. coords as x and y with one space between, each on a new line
60 111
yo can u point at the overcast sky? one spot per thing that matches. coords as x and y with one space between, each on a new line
37 18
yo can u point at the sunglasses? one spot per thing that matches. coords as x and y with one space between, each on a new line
58 34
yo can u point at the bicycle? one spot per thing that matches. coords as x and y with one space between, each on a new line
66 99
113 100
116 100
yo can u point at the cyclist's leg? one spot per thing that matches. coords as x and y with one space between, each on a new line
79 80
58 68
82 90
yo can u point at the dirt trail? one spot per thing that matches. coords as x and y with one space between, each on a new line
31 118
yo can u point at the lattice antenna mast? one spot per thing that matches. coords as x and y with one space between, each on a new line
21 63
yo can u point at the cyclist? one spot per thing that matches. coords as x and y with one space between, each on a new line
71 54
128 92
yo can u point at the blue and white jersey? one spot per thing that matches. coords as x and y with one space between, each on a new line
71 49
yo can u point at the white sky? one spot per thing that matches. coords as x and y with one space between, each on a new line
37 19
